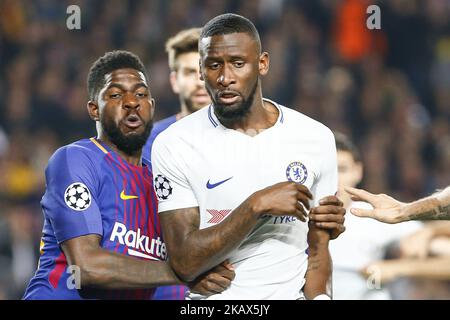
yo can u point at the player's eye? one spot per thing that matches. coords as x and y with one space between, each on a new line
190 73
141 94
238 64
214 66
115 95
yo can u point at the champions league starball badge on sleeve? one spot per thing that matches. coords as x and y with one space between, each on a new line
77 196
163 188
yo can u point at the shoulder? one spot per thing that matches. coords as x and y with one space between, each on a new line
75 153
300 121
146 162
195 121
187 128
297 118
163 124
158 127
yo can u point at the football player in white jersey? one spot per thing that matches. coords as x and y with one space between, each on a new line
365 240
235 180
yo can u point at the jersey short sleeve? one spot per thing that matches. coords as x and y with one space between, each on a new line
70 199
328 177
168 164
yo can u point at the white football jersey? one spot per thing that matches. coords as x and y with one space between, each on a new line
197 162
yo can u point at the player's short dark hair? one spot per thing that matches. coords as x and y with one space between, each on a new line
185 41
343 143
228 23
109 62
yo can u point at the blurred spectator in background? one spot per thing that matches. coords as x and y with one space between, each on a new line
423 270
365 240
182 50
388 89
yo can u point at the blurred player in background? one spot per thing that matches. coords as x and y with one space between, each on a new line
430 245
182 50
101 231
234 179
425 254
364 241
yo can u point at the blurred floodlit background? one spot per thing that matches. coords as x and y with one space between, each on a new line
388 89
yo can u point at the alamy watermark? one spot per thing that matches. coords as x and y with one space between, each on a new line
74 280
73 21
373 281
373 21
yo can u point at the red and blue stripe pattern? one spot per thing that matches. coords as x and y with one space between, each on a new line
124 196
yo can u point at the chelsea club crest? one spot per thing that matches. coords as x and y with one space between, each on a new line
296 172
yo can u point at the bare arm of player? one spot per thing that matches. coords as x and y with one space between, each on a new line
389 210
192 251
385 271
318 274
326 222
106 269
109 270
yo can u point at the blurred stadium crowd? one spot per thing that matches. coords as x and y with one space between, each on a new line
388 89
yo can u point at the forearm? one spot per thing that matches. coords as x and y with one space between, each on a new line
110 270
203 249
319 273
435 207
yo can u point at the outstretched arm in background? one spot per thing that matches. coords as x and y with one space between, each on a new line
389 210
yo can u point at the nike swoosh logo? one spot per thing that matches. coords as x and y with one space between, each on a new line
213 185
124 196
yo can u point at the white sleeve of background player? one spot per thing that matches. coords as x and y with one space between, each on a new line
328 177
170 182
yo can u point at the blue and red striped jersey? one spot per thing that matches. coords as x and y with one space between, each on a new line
91 190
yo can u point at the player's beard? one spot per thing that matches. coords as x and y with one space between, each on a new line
130 144
235 112
190 106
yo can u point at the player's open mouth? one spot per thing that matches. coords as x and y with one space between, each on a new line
132 121
228 97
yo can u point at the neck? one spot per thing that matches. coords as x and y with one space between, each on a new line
134 159
184 111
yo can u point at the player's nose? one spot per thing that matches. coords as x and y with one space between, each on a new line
226 78
130 101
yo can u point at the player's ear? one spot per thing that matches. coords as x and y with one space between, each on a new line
92 108
152 107
264 62
173 82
